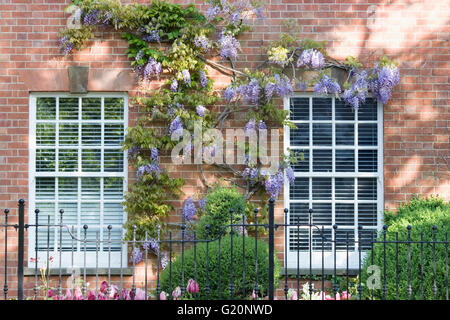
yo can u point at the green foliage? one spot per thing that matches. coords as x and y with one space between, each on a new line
421 215
220 277
217 212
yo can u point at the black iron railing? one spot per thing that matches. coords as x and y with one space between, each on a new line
229 278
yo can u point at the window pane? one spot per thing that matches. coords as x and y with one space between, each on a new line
114 108
299 213
322 134
321 188
343 111
68 134
367 134
70 218
322 108
344 188
298 239
299 190
113 214
300 109
367 237
90 214
68 108
91 134
46 108
302 164
67 189
113 134
45 134
367 188
116 236
91 108
345 214
46 210
90 188
300 136
322 213
68 160
345 134
345 160
45 188
113 161
91 160
45 160
367 214
113 188
368 111
367 160
345 237
322 160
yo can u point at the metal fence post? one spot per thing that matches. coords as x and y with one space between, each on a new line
271 248
20 249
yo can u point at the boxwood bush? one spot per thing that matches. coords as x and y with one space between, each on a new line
421 215
217 211
220 279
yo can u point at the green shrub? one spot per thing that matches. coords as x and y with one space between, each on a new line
225 268
217 211
421 215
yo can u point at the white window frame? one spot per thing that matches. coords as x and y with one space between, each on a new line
114 259
341 256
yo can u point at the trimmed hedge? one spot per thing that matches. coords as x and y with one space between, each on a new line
217 212
225 268
421 215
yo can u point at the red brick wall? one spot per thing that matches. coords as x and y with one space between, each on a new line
415 33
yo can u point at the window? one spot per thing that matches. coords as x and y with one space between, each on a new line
76 164
340 177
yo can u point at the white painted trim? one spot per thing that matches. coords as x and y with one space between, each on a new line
341 255
116 257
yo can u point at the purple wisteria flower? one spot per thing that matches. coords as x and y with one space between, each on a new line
274 184
250 92
91 18
200 110
229 46
236 18
152 67
151 244
150 168
383 79
259 13
107 17
284 86
136 256
189 209
357 93
152 36
202 42
327 85
212 12
154 155
250 174
164 261
290 174
229 93
311 58
134 151
250 125
139 55
201 203
174 85
203 79
65 45
262 125
173 109
269 90
176 128
186 77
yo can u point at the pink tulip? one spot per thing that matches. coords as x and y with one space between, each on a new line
57 298
162 296
104 287
192 286
126 295
176 294
140 294
68 295
50 293
114 292
345 295
91 295
78 295
101 296
254 295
